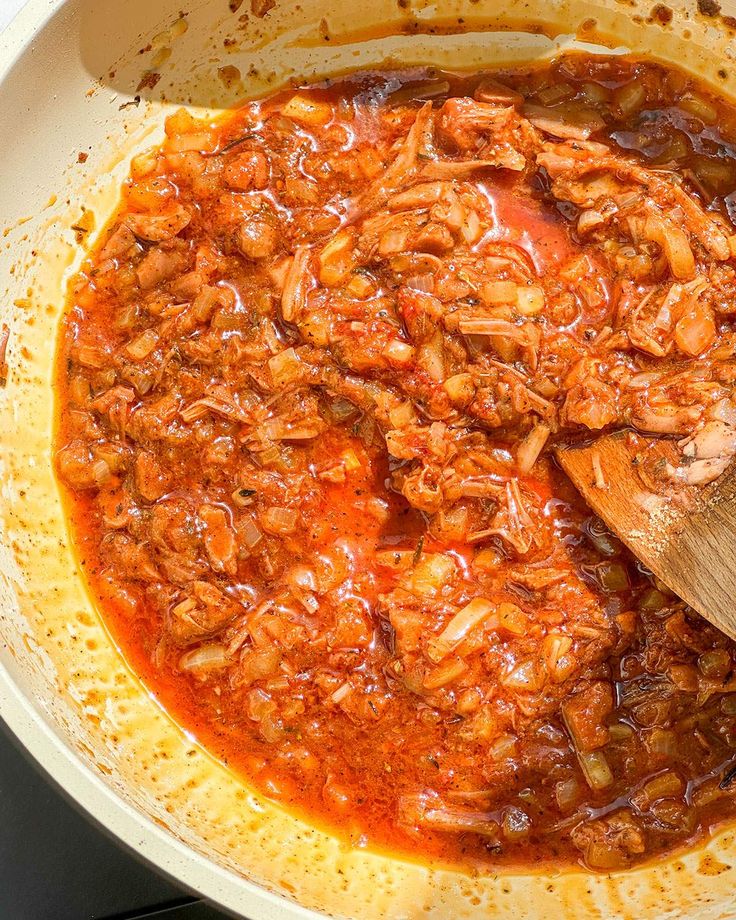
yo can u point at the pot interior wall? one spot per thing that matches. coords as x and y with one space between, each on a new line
64 687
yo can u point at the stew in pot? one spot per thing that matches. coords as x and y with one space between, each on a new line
308 386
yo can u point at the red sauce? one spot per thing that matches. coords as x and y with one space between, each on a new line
308 389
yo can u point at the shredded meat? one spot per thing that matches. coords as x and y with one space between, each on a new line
310 385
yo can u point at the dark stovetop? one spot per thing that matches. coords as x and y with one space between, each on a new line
55 865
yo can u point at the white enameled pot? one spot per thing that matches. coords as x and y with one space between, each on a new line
67 68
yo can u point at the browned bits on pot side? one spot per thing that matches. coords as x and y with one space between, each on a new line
261 7
148 81
310 381
662 14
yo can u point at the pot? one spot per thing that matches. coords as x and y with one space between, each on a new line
84 85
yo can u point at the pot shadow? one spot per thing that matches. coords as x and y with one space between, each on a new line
215 53
200 56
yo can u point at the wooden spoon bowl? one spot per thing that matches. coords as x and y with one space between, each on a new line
685 535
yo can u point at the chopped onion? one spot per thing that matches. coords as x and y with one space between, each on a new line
431 574
335 472
342 409
451 526
257 664
307 111
495 292
555 93
303 584
277 429
396 559
667 785
471 229
343 691
595 93
707 793
589 220
567 793
427 89
531 447
605 857
696 105
101 471
468 795
612 576
675 244
504 746
423 282
516 824
490 90
487 559
399 352
512 619
460 388
715 664
194 411
596 770
205 658
126 317
336 259
620 731
402 415
431 357
296 282
555 648
630 97
361 284
351 461
393 241
142 345
251 533
201 142
80 389
286 367
459 627
526 677
716 175
662 741
91 356
571 122
184 607
499 327
529 300
728 704
279 520
445 673
259 705
143 164
428 810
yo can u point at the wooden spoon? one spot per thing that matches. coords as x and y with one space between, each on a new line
685 535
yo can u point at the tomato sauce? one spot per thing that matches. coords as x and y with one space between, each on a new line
309 385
